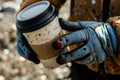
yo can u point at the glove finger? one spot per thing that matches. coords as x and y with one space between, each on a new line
88 60
22 44
77 54
21 53
32 57
100 56
91 24
28 54
25 50
73 26
74 37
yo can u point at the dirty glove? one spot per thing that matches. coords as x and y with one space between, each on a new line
25 50
100 40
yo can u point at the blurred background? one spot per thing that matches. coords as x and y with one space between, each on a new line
13 66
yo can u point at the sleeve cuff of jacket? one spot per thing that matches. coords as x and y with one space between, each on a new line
115 22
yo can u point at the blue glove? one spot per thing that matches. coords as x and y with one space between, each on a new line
99 38
25 50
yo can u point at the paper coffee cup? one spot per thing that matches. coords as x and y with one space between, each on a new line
39 24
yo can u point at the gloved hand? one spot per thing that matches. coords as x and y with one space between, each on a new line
25 50
100 40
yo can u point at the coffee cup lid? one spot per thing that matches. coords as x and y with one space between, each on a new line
33 11
35 16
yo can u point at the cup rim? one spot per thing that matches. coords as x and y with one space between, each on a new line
32 5
39 21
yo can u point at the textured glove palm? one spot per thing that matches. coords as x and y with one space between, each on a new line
100 41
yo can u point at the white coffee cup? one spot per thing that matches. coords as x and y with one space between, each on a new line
40 26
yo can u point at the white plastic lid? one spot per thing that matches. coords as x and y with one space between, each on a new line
33 10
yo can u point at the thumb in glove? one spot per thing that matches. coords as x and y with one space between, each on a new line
25 50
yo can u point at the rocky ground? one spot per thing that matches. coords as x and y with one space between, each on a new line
14 67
